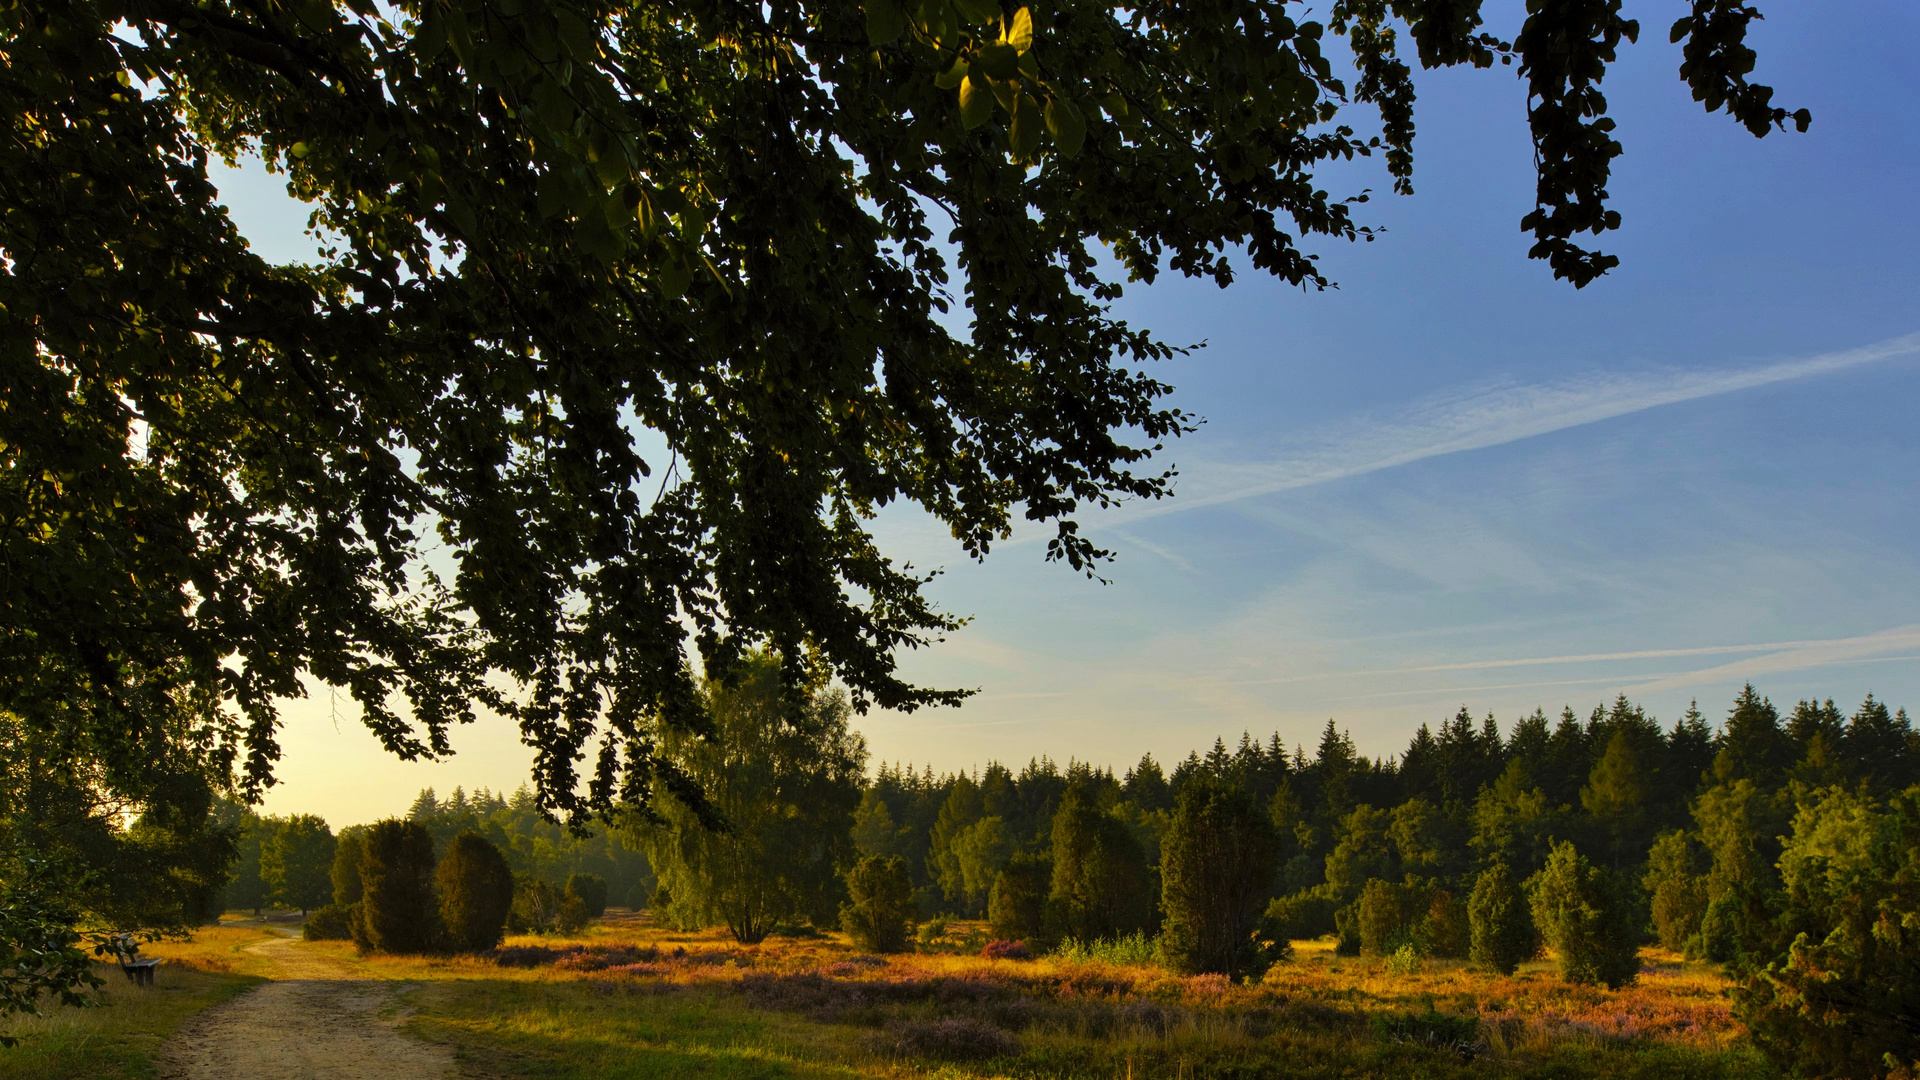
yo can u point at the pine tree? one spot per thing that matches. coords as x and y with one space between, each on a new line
397 912
1216 867
476 892
1501 925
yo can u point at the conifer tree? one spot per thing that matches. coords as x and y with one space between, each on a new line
1616 796
1101 887
879 913
1502 926
1586 914
476 892
397 912
1216 868
344 875
1676 890
296 859
1017 908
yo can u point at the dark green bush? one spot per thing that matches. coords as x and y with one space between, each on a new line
1502 928
476 892
1444 930
1216 863
592 891
1386 913
332 922
1306 914
880 915
397 912
1017 906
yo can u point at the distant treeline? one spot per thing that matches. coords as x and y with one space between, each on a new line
1457 800
288 860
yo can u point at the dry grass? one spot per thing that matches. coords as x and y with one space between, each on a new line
119 1037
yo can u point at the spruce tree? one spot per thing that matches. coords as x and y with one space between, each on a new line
1616 796
476 892
397 912
1215 871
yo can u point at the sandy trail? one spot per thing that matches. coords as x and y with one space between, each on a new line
320 1018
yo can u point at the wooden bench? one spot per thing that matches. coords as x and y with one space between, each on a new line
138 969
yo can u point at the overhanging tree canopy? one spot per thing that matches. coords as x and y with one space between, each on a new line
555 223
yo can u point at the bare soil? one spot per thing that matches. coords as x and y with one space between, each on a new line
320 1018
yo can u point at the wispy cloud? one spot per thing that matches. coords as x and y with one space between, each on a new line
1487 417
1803 655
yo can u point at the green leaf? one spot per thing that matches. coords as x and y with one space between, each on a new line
951 78
886 21
998 61
1019 33
1067 126
1026 128
977 11
1029 66
976 102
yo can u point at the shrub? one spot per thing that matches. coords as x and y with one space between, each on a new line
957 1038
1346 922
476 892
1006 950
1305 914
1386 914
1501 926
1017 906
1677 889
592 891
1216 863
880 914
397 913
332 922
1138 949
540 908
1445 930
1589 918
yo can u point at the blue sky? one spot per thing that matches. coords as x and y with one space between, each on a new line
1454 480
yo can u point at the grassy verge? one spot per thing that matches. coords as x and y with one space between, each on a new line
120 1038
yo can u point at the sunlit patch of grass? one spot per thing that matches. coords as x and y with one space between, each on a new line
121 1036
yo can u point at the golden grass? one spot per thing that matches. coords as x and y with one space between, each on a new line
120 1036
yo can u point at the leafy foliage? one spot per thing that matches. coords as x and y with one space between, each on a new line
1100 887
592 891
296 861
761 839
329 922
475 886
41 954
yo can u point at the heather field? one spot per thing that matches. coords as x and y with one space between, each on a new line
627 999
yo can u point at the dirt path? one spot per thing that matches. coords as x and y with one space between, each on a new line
320 1018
